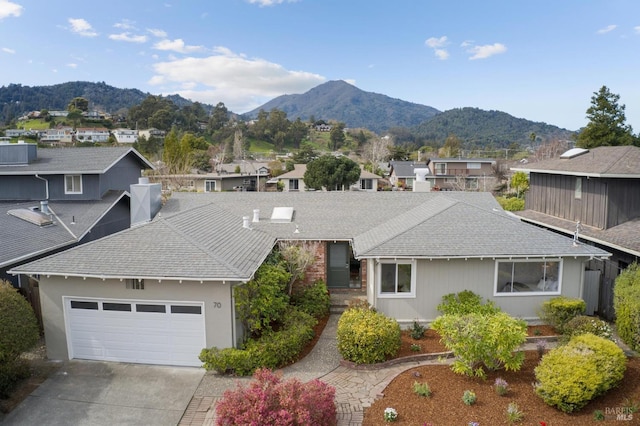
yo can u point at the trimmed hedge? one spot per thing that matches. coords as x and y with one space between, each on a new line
571 375
558 311
626 302
366 336
272 350
466 302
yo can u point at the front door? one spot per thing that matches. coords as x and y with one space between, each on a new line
338 265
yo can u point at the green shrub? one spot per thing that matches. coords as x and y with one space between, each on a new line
465 302
560 310
482 342
273 349
584 324
366 336
469 397
313 299
511 204
626 302
417 330
19 332
422 389
263 301
571 375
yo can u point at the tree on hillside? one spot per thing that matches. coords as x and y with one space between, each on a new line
305 154
606 125
331 173
219 117
78 103
336 136
451 147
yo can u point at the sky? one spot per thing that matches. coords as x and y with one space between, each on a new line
539 60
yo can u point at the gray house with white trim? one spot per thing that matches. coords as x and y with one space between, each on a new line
160 292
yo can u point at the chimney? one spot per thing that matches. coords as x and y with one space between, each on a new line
44 207
146 201
245 222
256 215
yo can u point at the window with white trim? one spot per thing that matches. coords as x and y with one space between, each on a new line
366 184
134 284
578 192
539 276
73 184
396 278
293 185
209 186
441 168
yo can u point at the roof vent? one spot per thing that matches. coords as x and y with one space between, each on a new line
282 215
574 152
32 216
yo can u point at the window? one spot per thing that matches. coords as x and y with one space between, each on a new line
73 184
140 307
396 279
441 168
366 184
209 186
123 307
76 304
180 309
528 276
134 284
474 166
471 183
578 188
293 185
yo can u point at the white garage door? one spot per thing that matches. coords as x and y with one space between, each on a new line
139 331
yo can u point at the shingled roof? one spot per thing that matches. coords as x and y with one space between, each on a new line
202 237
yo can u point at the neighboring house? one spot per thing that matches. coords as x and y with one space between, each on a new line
596 193
52 199
152 132
462 174
125 136
16 133
166 290
402 174
60 135
294 180
252 177
92 134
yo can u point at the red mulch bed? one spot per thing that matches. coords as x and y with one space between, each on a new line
445 406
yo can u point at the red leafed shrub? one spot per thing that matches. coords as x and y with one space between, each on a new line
268 400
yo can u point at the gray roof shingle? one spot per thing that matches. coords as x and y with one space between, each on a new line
201 237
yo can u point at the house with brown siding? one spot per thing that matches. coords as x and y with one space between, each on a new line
591 195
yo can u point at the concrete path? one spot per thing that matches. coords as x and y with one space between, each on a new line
106 393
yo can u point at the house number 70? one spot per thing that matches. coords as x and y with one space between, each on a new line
217 305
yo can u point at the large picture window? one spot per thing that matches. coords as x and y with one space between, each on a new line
73 184
528 276
396 279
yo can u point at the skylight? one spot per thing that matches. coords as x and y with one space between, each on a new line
574 152
32 216
282 214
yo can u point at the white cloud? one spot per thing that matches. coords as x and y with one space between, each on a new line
82 27
157 33
125 24
434 42
241 83
637 29
270 2
176 45
467 43
126 36
487 50
72 65
606 29
9 9
441 54
7 50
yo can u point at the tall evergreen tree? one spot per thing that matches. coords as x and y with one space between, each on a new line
606 125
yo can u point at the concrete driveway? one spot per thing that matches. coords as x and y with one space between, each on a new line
106 393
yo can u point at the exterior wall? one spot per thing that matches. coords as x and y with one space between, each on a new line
437 278
218 320
121 175
555 195
22 188
90 188
318 270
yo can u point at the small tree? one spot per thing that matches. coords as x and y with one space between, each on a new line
331 173
520 182
298 255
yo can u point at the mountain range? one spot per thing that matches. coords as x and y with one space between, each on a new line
333 100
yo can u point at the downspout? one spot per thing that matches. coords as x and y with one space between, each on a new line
46 187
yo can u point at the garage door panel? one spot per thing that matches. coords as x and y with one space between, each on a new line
143 334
